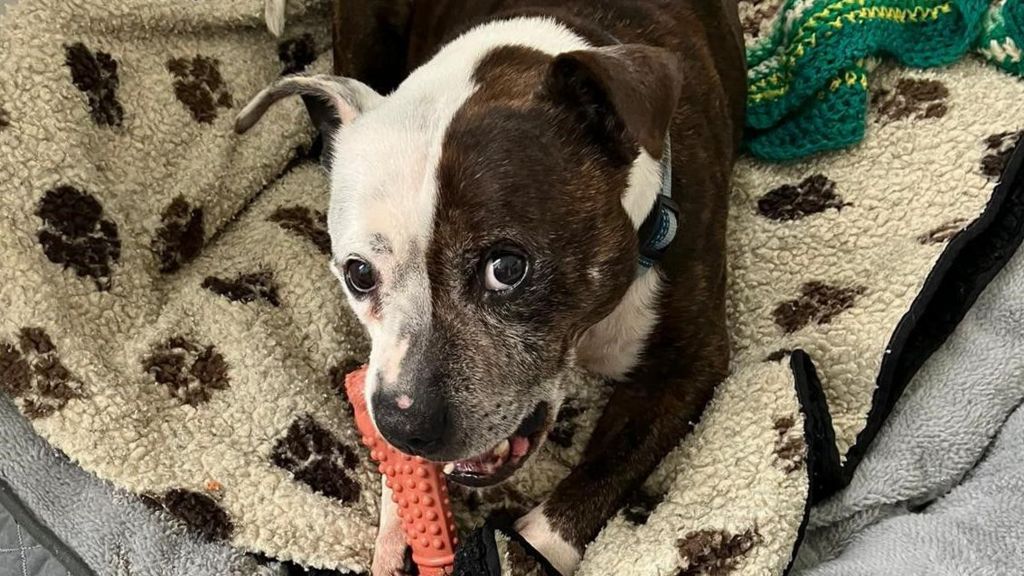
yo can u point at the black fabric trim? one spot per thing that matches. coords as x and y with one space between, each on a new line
965 268
477 554
824 470
42 533
822 459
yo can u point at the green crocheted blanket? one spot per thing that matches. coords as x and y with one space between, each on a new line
809 60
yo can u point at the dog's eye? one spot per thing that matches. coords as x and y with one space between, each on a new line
360 276
504 272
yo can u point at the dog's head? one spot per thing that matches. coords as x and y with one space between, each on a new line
480 225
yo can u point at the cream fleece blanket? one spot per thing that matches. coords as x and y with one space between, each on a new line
170 323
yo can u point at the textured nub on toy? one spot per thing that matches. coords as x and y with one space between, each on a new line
418 488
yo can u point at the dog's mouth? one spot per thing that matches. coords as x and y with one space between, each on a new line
500 462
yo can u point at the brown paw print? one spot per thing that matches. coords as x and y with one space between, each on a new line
564 430
317 459
911 98
197 511
519 562
640 505
778 355
812 195
296 54
245 288
998 149
95 74
32 373
943 233
179 239
191 372
77 236
714 552
199 85
756 16
818 303
790 448
5 118
310 224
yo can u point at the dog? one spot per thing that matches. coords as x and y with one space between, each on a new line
523 188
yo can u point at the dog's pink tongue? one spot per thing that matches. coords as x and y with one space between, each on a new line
520 446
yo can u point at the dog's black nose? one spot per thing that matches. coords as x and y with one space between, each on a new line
416 426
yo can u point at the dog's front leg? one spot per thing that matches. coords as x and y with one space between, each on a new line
389 548
644 420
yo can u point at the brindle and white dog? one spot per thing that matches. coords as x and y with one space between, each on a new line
544 186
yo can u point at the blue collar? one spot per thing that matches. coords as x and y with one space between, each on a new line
659 228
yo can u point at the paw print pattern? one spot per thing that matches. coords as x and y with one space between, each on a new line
519 562
812 195
756 16
818 303
296 54
197 511
310 224
790 448
778 355
191 372
289 568
714 552
33 373
76 235
245 288
998 149
317 459
564 429
911 98
179 239
95 74
199 85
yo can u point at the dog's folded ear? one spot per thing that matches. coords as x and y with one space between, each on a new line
624 95
331 101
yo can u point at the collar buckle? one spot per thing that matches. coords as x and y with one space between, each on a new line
659 228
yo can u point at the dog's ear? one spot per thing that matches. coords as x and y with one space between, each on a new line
330 100
624 95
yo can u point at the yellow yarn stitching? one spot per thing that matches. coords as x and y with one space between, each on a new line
876 13
759 90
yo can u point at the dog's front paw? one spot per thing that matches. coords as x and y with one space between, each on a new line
536 529
391 554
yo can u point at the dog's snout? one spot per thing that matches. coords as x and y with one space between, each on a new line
414 425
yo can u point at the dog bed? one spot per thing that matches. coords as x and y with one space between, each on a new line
170 324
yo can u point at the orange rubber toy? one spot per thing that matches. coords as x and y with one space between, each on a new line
417 486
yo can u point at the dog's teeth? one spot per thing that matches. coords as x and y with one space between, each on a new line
448 468
502 449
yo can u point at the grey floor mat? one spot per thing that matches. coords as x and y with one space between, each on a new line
21 555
